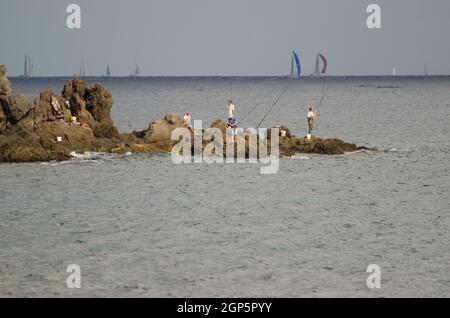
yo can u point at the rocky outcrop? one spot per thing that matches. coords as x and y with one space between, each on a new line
16 149
5 85
14 109
42 130
5 93
92 106
221 125
159 131
290 145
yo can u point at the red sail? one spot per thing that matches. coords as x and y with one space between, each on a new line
325 63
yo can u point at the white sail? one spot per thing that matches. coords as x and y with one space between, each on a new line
317 68
82 68
25 68
28 66
136 72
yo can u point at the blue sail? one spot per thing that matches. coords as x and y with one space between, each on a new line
297 62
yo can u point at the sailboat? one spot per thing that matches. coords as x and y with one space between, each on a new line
82 69
295 60
136 73
425 70
28 67
394 72
108 71
317 71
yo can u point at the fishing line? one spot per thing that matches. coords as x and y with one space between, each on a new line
231 88
251 109
273 106
322 98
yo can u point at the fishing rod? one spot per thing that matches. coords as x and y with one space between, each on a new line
273 105
231 88
322 98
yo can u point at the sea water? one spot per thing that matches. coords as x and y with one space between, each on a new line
139 225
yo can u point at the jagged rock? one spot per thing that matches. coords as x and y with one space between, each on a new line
221 125
45 111
5 85
29 131
288 132
99 103
173 119
41 122
74 138
15 107
3 120
92 106
130 137
160 131
73 89
291 145
16 149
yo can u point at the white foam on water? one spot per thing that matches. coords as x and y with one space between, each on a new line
300 157
356 152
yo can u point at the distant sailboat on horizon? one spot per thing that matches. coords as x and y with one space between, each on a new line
28 67
137 72
394 72
317 71
295 60
108 71
82 69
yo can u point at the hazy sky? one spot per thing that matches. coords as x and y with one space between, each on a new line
225 37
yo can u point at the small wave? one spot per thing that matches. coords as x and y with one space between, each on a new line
407 150
358 151
88 155
300 157
387 86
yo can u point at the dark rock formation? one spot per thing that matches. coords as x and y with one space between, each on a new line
29 130
221 125
41 130
291 145
16 149
92 106
5 85
159 132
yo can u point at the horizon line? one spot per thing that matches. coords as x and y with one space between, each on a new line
223 76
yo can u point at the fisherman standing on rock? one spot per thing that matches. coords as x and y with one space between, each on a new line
231 120
230 110
187 122
311 117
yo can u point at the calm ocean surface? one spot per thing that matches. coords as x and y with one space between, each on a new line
140 225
